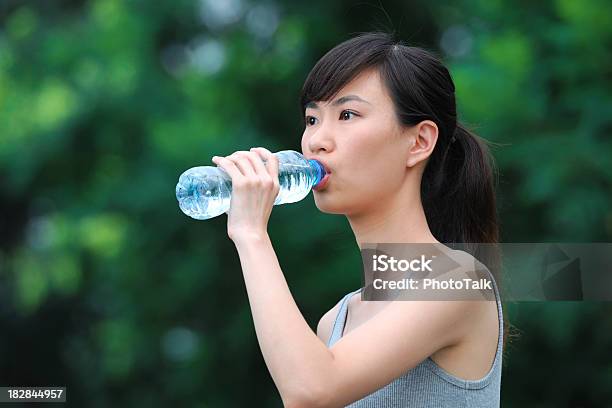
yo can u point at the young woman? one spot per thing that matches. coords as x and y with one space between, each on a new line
381 117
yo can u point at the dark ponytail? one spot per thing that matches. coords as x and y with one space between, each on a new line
458 190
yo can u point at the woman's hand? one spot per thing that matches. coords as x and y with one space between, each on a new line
254 188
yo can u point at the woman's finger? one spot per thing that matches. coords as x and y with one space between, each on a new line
258 164
243 163
271 160
228 166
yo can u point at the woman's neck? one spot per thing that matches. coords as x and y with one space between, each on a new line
401 219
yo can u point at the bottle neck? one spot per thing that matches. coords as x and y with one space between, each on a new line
319 171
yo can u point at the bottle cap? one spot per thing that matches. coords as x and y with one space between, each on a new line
320 170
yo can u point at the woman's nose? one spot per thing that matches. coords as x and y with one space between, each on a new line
320 139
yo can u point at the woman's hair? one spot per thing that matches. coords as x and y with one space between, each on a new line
457 187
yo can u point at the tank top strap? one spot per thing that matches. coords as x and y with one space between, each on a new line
340 321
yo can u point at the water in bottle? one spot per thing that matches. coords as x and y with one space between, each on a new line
205 192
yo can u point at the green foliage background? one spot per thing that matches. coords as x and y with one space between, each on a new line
107 288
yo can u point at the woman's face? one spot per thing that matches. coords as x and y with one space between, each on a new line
358 138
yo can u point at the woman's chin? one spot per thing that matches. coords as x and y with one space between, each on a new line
324 204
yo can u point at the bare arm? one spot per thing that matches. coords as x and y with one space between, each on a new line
293 353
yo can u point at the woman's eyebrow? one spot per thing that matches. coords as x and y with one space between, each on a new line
339 101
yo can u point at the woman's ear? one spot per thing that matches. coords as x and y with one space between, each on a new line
424 137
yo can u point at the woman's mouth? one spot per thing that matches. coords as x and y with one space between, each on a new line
323 183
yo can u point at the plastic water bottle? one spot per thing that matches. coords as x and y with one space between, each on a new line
205 192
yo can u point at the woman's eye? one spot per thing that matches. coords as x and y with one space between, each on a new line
310 120
345 115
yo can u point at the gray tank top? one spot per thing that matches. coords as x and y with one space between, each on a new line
428 384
